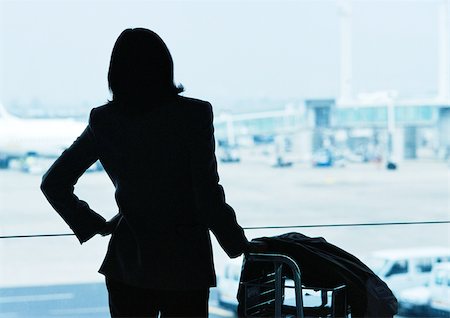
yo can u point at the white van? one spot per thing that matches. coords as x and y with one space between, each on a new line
440 290
407 268
432 300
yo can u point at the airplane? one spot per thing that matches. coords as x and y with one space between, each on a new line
24 137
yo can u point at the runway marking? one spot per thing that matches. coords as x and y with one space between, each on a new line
8 315
89 310
80 311
221 312
35 298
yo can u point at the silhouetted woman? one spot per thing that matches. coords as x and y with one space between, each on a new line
158 149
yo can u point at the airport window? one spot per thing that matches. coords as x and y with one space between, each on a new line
322 115
327 123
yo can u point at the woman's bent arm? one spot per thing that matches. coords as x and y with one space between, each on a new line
58 187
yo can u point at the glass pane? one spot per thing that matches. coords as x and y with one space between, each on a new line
323 116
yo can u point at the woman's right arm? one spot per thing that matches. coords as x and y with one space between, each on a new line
209 194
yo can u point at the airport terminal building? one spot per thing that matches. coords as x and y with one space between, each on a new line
362 131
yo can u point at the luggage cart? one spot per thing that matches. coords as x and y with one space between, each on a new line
264 296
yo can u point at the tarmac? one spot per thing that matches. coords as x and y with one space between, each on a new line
261 196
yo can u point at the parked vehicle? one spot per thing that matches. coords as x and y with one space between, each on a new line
322 158
228 153
330 158
407 268
432 300
440 291
414 301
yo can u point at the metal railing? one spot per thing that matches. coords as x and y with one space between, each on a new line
269 227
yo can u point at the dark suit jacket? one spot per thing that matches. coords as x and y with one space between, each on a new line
162 164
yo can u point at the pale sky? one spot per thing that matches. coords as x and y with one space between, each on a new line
57 52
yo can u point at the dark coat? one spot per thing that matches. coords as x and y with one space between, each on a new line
325 265
161 161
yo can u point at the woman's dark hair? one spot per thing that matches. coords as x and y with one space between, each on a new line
141 67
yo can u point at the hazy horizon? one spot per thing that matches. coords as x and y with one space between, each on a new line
57 53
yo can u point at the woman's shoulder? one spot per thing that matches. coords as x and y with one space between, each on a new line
191 100
101 114
101 109
182 105
195 106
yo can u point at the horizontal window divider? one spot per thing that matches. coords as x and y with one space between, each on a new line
268 227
